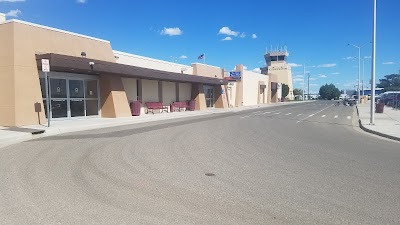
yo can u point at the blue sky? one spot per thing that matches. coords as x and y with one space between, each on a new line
316 32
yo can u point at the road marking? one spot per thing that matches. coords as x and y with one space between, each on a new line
256 112
323 116
288 114
349 117
300 114
267 112
336 116
277 113
314 114
244 117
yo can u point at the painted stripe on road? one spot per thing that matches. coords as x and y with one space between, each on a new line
299 114
323 116
336 116
244 117
314 114
277 113
288 114
349 117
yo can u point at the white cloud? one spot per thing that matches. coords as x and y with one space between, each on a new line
257 70
313 78
294 65
228 31
14 13
81 1
322 76
327 65
227 39
349 57
254 36
244 67
12 0
313 85
367 57
242 35
183 57
298 80
171 31
335 73
388 63
298 76
350 84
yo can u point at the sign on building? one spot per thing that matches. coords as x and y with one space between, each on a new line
233 75
45 65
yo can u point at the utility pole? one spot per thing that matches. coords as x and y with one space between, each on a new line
308 97
372 109
304 75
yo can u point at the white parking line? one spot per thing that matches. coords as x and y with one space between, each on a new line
336 116
244 117
288 114
349 117
299 114
277 113
323 116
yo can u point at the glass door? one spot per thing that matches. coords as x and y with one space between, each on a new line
209 95
70 98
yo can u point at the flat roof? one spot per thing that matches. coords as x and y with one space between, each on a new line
72 64
53 29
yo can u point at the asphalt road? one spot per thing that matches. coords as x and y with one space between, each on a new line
292 164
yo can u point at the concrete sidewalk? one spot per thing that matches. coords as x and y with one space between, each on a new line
10 136
387 124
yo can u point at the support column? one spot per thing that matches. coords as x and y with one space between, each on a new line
113 97
198 95
220 97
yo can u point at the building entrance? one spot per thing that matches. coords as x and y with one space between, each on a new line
70 98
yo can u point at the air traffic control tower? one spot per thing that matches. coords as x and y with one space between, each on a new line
278 70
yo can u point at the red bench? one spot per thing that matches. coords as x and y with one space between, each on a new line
178 105
155 105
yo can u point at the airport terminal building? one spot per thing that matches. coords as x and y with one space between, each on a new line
88 78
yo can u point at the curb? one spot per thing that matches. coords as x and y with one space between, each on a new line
375 132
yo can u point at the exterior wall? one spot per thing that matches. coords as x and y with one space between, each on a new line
207 70
149 91
168 92
145 62
198 96
283 74
231 94
251 87
7 83
19 73
130 86
185 91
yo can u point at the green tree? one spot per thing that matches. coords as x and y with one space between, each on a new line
297 91
390 82
285 90
329 91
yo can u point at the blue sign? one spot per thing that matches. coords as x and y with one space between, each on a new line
235 74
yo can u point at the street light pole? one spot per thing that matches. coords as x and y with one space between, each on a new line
363 77
359 56
304 75
372 111
308 89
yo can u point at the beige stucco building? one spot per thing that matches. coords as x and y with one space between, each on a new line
88 78
279 72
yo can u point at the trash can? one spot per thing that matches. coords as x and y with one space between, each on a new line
191 105
171 107
379 107
135 108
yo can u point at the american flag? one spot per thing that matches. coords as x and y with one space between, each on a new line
200 56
